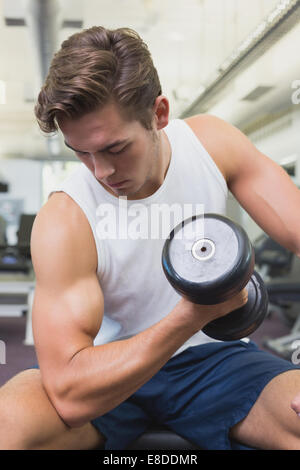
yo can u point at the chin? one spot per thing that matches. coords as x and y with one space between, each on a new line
123 192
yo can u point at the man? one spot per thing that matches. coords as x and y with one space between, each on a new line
117 347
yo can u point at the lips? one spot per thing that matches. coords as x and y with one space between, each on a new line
115 185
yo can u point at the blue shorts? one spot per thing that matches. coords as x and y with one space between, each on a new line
199 394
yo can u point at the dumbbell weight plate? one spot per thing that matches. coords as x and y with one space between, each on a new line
245 320
208 259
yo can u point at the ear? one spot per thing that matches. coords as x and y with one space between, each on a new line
161 112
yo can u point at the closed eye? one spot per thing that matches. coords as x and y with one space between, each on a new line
118 152
82 153
109 152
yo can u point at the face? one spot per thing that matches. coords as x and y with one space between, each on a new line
124 157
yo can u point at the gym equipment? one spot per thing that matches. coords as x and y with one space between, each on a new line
279 268
159 437
207 259
17 258
271 258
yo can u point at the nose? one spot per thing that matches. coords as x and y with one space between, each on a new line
102 168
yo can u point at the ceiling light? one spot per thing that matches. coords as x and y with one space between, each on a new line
285 15
282 7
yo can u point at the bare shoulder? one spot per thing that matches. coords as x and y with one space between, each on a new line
203 124
219 139
59 205
60 232
207 127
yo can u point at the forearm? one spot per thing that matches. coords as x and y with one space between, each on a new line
99 378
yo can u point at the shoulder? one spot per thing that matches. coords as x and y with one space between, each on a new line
206 125
60 232
221 140
62 214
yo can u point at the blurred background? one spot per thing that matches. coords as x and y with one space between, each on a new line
235 59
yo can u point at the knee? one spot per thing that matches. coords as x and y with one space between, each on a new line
12 435
16 430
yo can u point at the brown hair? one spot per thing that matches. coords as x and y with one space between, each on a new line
94 67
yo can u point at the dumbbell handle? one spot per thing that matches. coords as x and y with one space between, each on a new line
245 320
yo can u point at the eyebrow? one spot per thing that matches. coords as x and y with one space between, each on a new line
104 149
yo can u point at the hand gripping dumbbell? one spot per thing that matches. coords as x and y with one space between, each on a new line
208 259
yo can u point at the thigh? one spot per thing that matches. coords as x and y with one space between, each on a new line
215 386
271 423
29 420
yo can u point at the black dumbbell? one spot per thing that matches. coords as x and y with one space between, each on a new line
208 259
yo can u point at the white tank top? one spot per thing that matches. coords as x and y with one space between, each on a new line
130 235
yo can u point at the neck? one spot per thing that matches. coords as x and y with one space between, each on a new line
167 152
161 167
